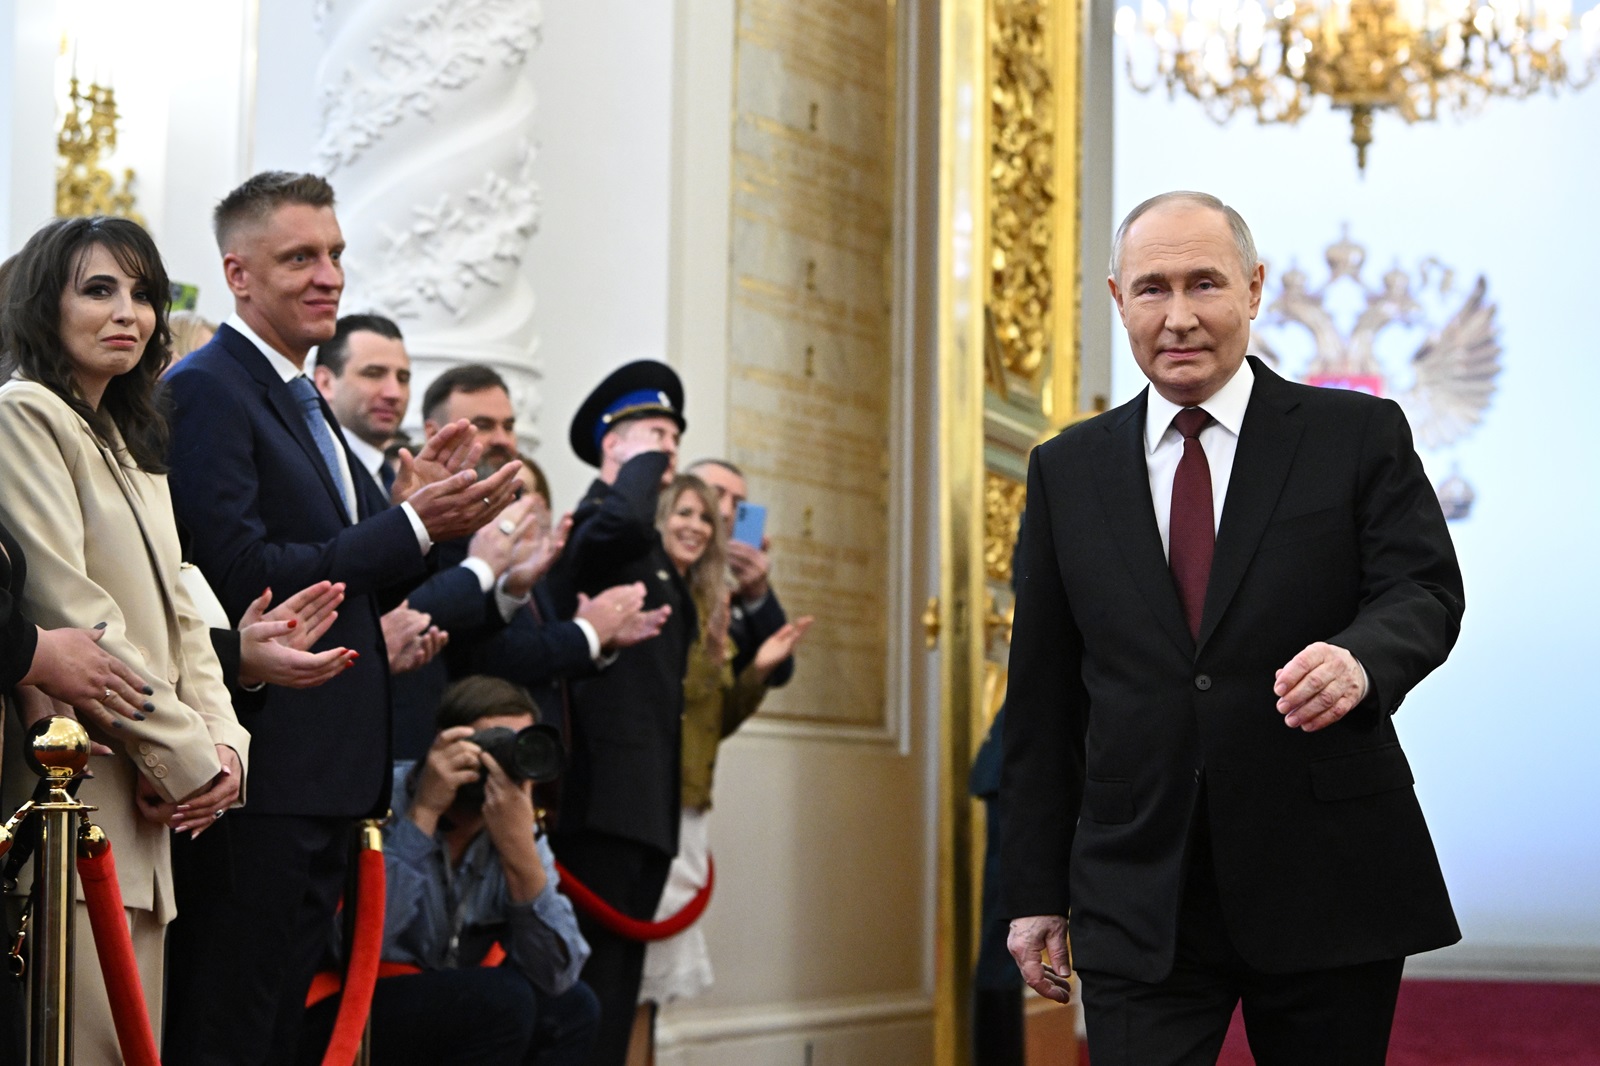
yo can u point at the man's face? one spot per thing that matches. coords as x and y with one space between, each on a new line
371 396
493 423
1185 300
729 487
286 277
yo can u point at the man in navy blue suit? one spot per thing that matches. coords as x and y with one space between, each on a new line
273 498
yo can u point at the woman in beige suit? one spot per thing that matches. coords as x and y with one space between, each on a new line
83 338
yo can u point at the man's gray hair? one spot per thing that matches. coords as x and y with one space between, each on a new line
1236 223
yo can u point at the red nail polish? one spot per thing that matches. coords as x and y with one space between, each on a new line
293 622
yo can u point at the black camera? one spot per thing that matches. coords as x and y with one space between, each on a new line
532 754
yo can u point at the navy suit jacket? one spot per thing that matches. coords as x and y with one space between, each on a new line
1115 714
251 487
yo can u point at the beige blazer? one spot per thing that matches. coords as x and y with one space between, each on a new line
102 546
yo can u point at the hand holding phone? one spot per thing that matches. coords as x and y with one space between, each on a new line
750 523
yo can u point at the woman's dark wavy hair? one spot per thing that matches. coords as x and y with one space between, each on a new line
30 329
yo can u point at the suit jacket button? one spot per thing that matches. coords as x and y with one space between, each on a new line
1203 682
159 772
150 760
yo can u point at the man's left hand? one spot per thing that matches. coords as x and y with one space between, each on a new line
452 449
1319 686
750 566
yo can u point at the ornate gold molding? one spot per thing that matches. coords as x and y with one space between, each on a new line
1003 498
1022 175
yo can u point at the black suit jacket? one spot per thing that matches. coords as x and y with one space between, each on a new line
251 487
625 771
19 637
1330 532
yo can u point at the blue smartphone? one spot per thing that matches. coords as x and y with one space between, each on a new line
749 524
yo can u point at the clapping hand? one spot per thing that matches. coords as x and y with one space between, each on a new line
452 449
537 549
778 647
411 638
274 645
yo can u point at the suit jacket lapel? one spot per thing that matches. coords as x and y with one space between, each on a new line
1267 443
283 402
1123 481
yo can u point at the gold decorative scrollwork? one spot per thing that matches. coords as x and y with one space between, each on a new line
1002 512
1022 186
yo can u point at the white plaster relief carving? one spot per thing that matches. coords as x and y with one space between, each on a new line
445 47
439 213
458 242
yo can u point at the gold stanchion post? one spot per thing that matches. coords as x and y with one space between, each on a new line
58 750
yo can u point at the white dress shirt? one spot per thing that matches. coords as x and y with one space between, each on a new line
1163 445
285 369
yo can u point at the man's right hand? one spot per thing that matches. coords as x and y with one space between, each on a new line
497 540
460 504
452 761
1028 940
750 566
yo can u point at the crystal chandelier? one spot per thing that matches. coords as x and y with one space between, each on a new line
1409 56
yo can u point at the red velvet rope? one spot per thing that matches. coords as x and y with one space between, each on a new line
613 920
103 896
361 975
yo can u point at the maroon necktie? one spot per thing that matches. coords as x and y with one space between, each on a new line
1192 534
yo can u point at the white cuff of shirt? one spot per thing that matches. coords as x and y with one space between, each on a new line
424 541
591 636
482 570
506 603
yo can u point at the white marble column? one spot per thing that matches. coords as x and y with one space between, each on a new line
427 135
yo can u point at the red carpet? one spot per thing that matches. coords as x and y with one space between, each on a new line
1478 1023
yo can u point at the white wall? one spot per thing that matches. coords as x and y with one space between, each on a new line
28 45
599 265
1502 738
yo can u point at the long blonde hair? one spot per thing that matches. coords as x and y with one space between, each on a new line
709 579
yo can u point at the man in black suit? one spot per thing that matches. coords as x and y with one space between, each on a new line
364 372
618 829
1200 763
273 498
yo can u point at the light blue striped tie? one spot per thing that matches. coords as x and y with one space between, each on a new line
322 433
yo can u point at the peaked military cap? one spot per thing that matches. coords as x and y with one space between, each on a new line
642 389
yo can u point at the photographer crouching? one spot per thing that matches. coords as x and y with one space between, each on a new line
468 868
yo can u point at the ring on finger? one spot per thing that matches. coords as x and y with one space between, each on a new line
107 697
486 501
507 526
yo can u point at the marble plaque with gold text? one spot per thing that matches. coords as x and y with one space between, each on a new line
809 375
